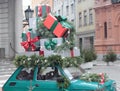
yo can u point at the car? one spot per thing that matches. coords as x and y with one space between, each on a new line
53 79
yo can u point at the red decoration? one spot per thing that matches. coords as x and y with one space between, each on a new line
43 9
59 30
48 9
29 43
49 21
52 24
39 11
71 52
41 52
102 78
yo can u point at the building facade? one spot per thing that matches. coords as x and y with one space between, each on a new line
10 27
107 26
65 8
85 23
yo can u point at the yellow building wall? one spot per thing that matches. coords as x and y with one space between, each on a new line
81 6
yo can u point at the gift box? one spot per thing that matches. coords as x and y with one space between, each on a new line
33 23
50 22
48 46
59 31
30 41
43 10
57 25
70 53
30 53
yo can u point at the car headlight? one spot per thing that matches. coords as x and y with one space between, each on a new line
113 87
114 84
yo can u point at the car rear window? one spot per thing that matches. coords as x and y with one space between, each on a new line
26 74
48 74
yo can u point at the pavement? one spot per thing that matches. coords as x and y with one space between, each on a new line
113 70
6 69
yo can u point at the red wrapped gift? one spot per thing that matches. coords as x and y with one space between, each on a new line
43 10
49 21
59 31
52 24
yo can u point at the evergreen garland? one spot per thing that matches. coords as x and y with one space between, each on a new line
63 83
93 77
52 60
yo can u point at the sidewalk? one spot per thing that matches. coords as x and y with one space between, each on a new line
6 69
112 70
98 63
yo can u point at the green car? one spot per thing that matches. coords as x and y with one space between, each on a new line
53 79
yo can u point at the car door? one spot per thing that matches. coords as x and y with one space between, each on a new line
20 80
46 80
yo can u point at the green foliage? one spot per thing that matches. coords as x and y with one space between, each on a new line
110 57
93 77
72 61
55 60
52 60
19 60
89 55
43 32
63 84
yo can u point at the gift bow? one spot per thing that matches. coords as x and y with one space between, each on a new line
102 78
50 44
30 42
63 20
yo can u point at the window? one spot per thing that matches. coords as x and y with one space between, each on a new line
80 19
49 73
58 12
62 9
79 1
80 41
2 52
105 29
72 21
85 17
90 16
72 8
67 10
26 74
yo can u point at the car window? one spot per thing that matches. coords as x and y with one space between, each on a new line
50 73
26 74
73 72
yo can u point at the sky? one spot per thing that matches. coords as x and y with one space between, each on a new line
26 3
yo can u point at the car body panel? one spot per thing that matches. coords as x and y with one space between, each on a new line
13 84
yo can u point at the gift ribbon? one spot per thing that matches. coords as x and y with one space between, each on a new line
50 44
53 26
71 52
47 9
39 11
102 78
29 43
63 20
